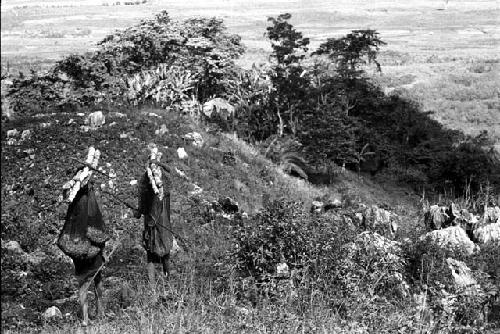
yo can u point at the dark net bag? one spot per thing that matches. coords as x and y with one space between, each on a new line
157 235
84 234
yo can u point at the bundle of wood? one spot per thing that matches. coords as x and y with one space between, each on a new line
154 170
71 188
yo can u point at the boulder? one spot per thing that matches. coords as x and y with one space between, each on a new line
379 220
52 313
452 239
282 270
181 153
436 217
12 133
492 215
373 252
487 234
219 106
462 276
13 246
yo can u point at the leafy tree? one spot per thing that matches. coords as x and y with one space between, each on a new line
289 78
358 48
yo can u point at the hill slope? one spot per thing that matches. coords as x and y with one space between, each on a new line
34 169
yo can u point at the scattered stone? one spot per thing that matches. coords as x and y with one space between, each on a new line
181 153
80 114
52 312
195 138
95 120
317 207
152 114
112 124
71 121
123 135
175 247
26 134
45 125
162 131
133 182
282 270
181 173
85 128
196 190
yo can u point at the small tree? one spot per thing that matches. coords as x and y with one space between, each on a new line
358 48
349 54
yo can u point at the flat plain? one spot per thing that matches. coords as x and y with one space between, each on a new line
443 54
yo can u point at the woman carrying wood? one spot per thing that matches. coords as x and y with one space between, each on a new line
84 235
154 204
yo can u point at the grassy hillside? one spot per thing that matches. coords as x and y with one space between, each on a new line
32 181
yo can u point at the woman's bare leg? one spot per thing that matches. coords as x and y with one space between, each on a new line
98 289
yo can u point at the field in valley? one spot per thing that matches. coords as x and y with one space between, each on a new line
442 53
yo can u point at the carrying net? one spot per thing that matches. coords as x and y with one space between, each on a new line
84 233
154 204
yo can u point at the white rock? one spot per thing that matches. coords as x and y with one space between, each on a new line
181 173
26 134
123 135
12 133
196 190
220 106
163 130
282 269
80 114
336 203
133 182
452 238
52 312
181 153
488 234
13 246
45 125
175 247
71 121
95 119
195 137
